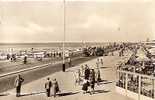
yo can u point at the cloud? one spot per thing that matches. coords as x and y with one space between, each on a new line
14 31
83 0
29 28
85 21
28 0
98 22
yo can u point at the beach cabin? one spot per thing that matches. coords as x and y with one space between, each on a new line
152 51
66 53
38 54
3 56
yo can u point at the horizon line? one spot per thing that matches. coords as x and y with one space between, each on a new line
67 42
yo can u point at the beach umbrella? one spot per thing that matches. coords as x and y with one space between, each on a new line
142 58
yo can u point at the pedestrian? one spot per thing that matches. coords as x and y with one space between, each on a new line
98 76
98 60
8 56
87 72
69 62
82 70
101 61
78 76
92 81
18 83
25 59
55 87
13 57
98 63
112 53
48 86
54 54
85 86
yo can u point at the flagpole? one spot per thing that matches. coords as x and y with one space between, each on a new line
64 36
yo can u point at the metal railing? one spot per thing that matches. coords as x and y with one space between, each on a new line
137 83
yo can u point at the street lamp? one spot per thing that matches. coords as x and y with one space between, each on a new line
64 37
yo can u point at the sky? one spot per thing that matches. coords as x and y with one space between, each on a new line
86 20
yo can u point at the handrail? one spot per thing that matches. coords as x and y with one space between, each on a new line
137 74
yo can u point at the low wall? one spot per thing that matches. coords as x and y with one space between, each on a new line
131 94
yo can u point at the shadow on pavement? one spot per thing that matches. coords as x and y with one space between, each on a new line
104 67
5 94
92 68
101 91
105 82
68 93
70 71
28 94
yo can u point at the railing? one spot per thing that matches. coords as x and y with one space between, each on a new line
137 83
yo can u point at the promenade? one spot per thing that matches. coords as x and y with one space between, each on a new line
69 91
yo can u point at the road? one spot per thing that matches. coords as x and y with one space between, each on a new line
7 82
69 91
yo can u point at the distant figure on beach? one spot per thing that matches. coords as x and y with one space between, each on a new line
54 54
48 86
8 56
69 62
18 83
112 53
55 87
13 57
25 59
60 54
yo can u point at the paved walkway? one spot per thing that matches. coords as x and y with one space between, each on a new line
35 90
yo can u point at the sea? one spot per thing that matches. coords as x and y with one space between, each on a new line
9 47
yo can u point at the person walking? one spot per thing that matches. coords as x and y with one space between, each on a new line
69 62
98 76
18 83
92 81
101 62
25 59
85 86
98 63
55 87
87 72
78 77
48 86
82 70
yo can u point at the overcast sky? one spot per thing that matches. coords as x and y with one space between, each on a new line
86 20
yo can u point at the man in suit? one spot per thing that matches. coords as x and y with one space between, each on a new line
55 87
87 72
48 86
18 83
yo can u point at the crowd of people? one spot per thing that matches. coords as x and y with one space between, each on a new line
140 64
104 50
88 76
49 86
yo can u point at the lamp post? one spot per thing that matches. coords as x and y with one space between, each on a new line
64 37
